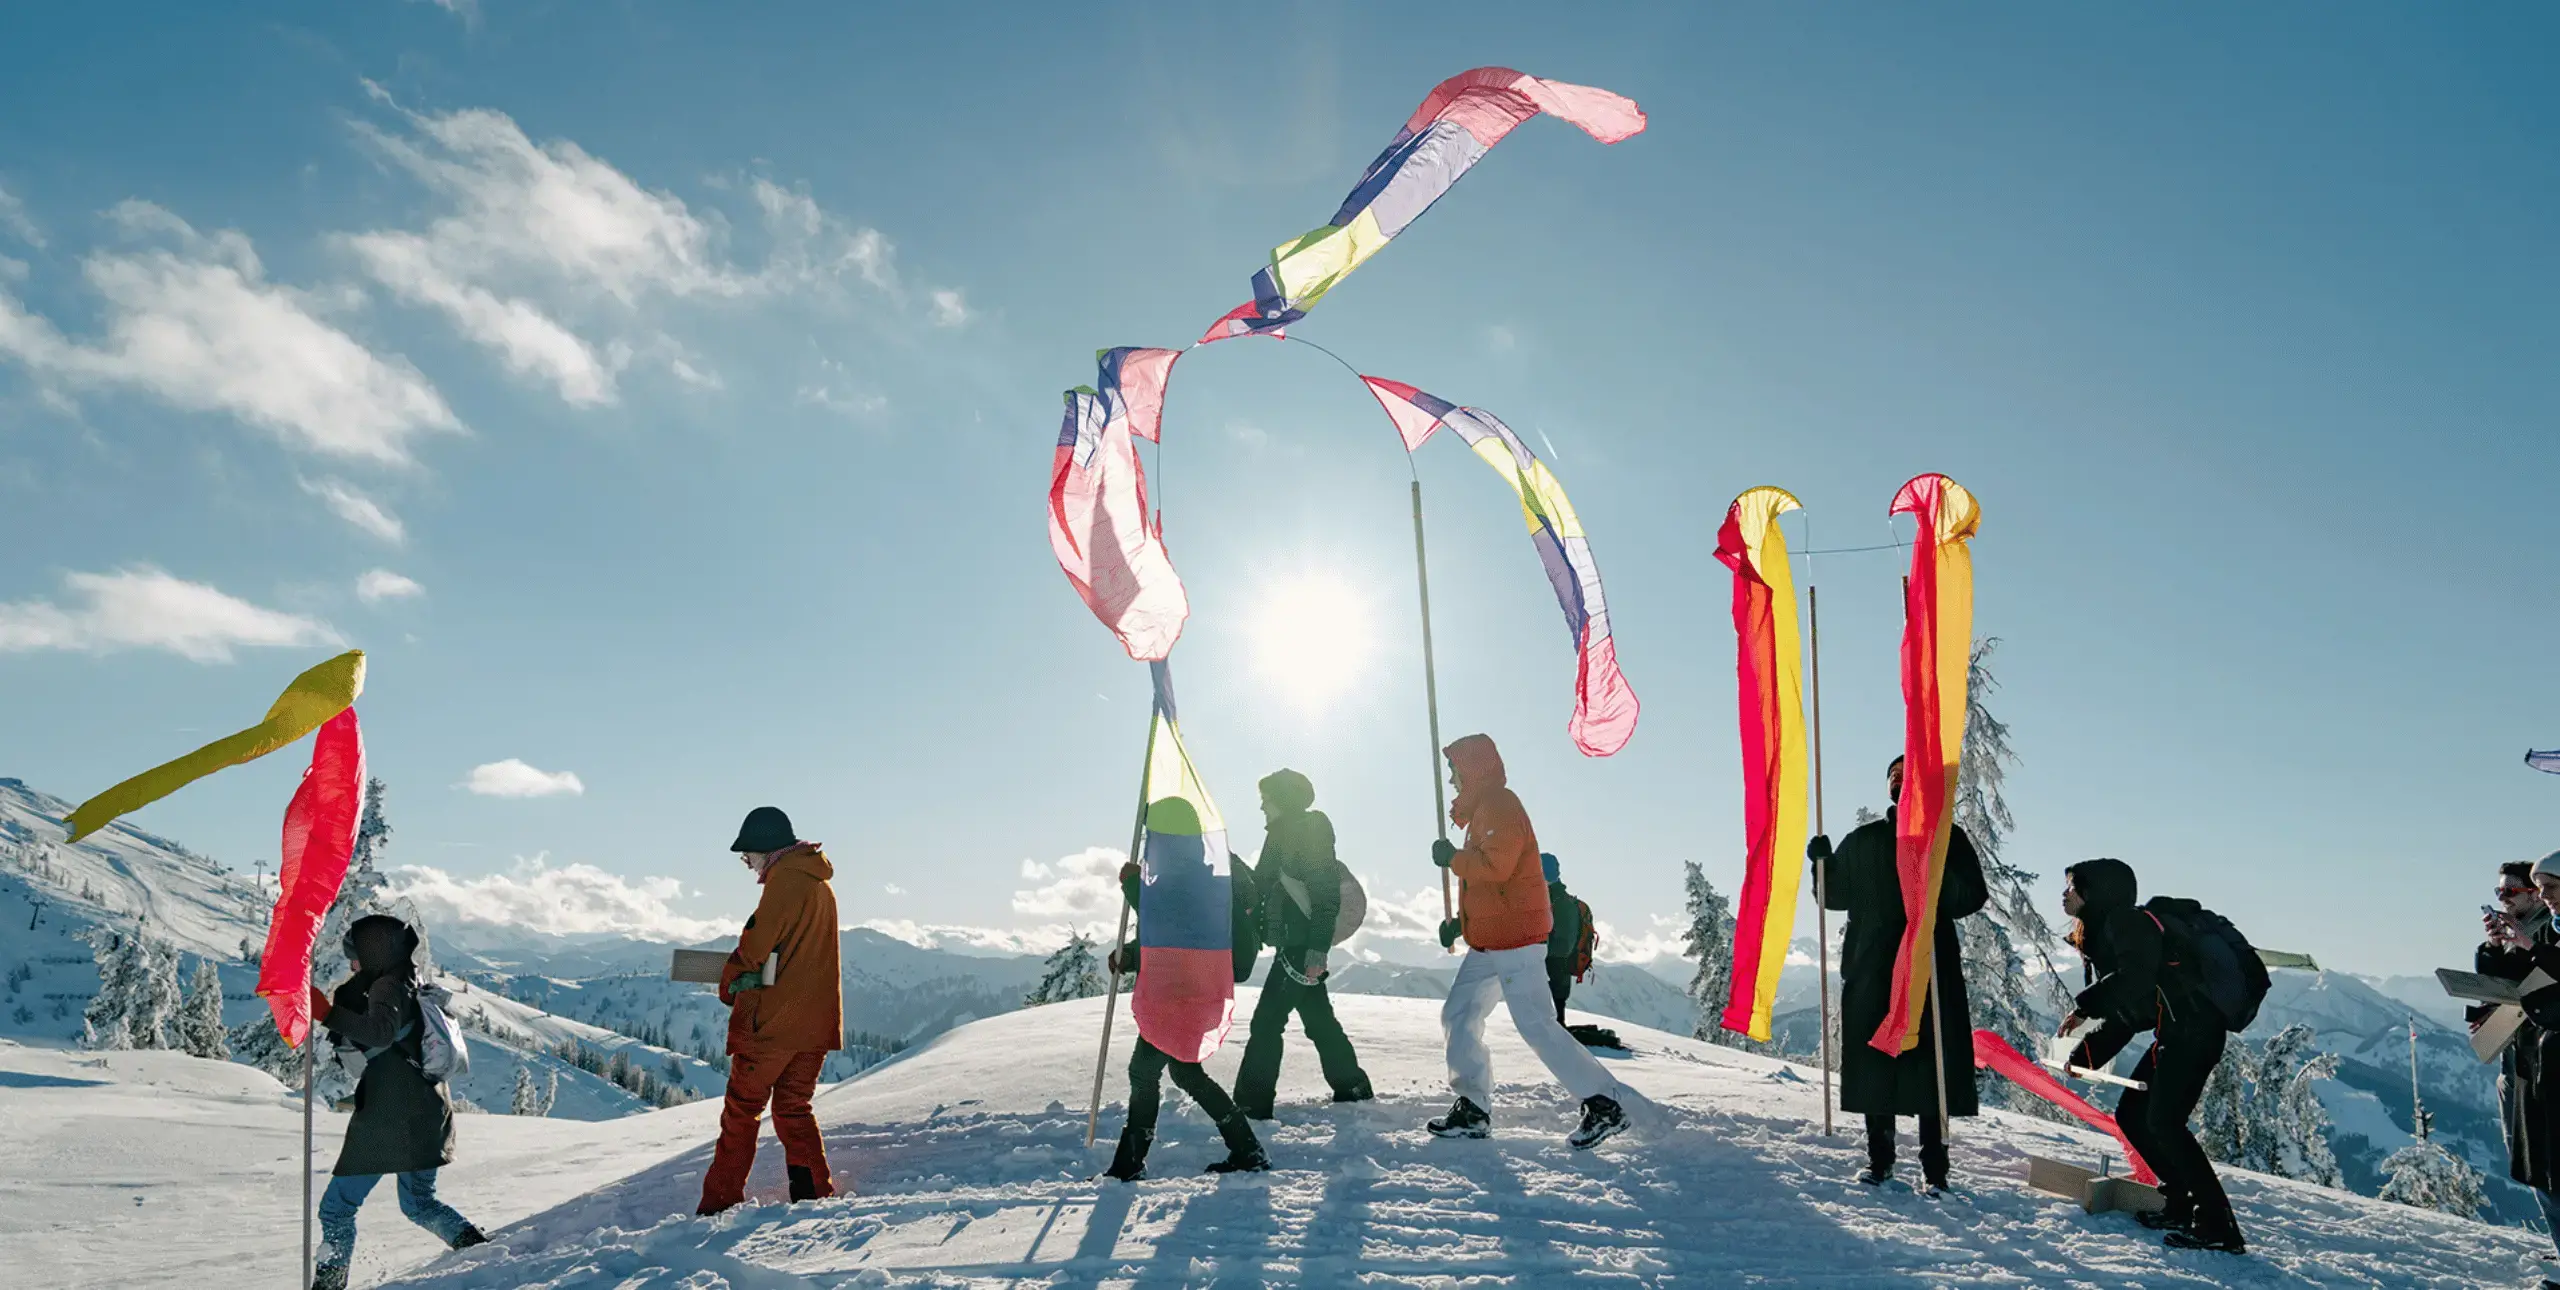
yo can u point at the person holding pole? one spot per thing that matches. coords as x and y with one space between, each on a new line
786 1013
1148 1066
403 1121
1299 885
1503 914
1863 880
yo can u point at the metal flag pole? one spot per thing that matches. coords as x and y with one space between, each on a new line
1111 1003
1822 867
1431 696
309 1060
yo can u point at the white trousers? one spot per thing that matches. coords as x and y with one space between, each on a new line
1520 978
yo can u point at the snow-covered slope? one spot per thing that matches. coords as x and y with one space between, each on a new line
195 903
965 1163
1621 991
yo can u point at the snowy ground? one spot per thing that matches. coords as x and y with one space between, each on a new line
967 1166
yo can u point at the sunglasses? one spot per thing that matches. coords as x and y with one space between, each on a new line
2506 890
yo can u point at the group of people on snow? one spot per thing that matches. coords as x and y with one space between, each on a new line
1526 939
2519 940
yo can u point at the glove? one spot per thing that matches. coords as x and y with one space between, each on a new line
1442 852
319 1006
1818 850
1448 933
1112 961
747 981
1315 966
1129 872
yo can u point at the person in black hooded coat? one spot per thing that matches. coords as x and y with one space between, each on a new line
1864 879
1298 886
403 1121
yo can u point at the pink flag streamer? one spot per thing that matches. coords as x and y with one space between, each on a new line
1993 1052
319 839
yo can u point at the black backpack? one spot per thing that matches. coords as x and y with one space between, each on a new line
2216 963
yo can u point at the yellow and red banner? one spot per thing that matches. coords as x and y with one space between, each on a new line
1768 667
1937 642
311 700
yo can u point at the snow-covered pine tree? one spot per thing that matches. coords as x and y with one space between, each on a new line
106 1025
2427 1176
156 997
361 894
528 1099
2261 1110
1071 973
1996 943
1709 944
256 1043
200 1029
550 1092
2222 1114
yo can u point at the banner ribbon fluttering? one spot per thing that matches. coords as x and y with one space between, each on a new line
1768 670
1937 644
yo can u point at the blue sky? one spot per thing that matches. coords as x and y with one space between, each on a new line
696 376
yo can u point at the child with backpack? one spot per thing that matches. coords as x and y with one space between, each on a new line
2180 970
403 1121
1570 944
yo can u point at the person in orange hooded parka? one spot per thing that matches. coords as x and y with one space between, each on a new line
1502 912
786 1013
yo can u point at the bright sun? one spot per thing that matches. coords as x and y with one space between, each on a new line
1311 637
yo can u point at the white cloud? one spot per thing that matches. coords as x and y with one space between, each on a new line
694 376
15 221
950 308
1080 888
513 778
349 503
378 585
949 936
893 889
197 325
850 405
144 608
529 341
569 900
467 10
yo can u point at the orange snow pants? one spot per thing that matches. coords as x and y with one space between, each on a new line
787 1079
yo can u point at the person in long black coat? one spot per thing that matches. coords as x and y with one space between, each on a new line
1864 881
403 1121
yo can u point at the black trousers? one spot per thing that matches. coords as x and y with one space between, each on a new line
1258 1081
1148 1065
1933 1145
1560 984
2180 1062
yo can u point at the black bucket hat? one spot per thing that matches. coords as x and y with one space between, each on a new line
766 829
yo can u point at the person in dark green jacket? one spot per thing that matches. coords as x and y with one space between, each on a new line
1562 941
1299 883
403 1121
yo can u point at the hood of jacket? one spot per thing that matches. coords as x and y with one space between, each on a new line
2105 885
802 858
1479 767
1288 791
381 944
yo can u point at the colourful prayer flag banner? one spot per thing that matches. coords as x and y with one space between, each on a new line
2544 761
1111 551
1604 705
1457 123
1768 667
1185 1000
319 839
1937 644
313 697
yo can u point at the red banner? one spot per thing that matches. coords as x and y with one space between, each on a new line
319 839
1991 1052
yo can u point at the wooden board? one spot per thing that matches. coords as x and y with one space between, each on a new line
701 966
2091 1191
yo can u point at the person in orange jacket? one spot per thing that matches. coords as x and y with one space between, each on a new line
1502 912
786 1013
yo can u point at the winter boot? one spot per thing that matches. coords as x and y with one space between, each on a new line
1244 1151
1876 1174
329 1276
2211 1230
2178 1215
1129 1163
1601 1120
1360 1092
1464 1120
469 1236
804 1184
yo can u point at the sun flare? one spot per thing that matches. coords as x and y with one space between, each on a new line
1312 637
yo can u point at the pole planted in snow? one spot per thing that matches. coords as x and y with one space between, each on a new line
1822 867
1431 697
1111 1004
309 1060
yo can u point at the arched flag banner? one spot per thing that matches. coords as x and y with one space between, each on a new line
319 840
1604 705
1099 529
313 697
1185 1000
1768 666
1457 123
1937 643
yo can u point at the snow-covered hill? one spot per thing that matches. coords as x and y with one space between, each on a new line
1620 991
965 1163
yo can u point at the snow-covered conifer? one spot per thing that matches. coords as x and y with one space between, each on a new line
200 1030
2427 1176
528 1099
2010 936
1709 944
156 996
550 1092
107 1022
1071 973
256 1043
361 894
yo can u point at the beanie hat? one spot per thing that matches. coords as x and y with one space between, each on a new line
2549 864
766 829
1547 862
1288 790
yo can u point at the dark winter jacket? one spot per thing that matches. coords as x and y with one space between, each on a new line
403 1121
1568 932
1298 850
1865 882
2133 982
2529 1069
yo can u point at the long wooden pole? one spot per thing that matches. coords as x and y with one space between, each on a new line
1431 696
1111 1004
1822 867
310 1040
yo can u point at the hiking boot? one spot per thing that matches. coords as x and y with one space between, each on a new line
1601 1120
804 1184
2178 1215
1129 1163
329 1276
1244 1151
2209 1231
1464 1120
1876 1174
470 1236
1360 1092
